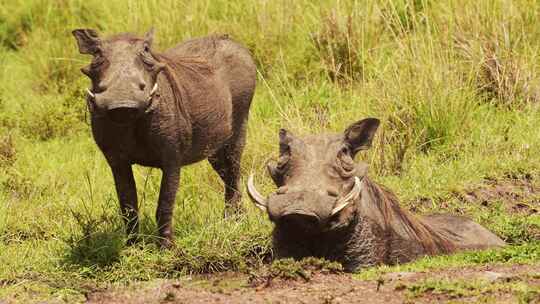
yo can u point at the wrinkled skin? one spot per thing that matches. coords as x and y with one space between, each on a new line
167 110
312 175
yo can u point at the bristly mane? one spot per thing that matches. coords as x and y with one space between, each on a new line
180 73
387 212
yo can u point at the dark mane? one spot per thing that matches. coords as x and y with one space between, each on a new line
186 66
387 212
181 73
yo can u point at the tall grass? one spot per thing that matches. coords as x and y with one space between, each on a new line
454 83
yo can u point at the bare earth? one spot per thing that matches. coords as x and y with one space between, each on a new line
336 288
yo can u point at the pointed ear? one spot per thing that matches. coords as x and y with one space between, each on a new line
149 36
88 40
360 134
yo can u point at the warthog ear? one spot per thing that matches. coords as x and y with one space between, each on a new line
149 37
88 40
360 134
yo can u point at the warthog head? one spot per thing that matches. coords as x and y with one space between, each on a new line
123 73
317 179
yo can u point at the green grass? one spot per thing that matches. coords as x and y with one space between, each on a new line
527 253
481 290
422 67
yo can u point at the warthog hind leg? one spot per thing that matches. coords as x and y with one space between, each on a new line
226 162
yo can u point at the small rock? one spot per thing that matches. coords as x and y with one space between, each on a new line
169 297
396 276
492 276
400 286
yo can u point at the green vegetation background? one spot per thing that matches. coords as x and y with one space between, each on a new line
455 83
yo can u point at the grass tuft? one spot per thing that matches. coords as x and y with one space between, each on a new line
289 269
7 150
338 44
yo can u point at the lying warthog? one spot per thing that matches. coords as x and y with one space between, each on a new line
168 110
326 206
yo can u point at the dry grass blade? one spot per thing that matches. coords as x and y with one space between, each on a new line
7 150
503 75
338 43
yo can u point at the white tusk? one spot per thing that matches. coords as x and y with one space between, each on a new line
350 197
255 196
90 93
154 89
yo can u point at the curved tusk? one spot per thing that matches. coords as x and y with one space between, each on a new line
90 93
150 99
350 197
154 89
255 196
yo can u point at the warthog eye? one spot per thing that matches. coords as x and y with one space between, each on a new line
87 70
278 170
98 61
345 161
284 157
147 58
282 164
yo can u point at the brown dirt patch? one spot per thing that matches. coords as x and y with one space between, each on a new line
518 195
329 288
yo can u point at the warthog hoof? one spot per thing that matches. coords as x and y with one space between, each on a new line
166 243
232 211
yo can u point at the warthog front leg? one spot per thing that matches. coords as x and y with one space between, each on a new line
127 196
167 194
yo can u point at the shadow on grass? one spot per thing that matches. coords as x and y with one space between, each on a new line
101 239
98 239
97 250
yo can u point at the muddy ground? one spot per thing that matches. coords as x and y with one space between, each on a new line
486 284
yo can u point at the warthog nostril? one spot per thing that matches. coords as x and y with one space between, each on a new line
142 86
332 193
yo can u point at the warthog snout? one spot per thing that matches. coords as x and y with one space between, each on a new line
302 211
308 209
304 220
302 202
123 113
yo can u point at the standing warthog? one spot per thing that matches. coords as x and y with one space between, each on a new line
168 110
326 206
